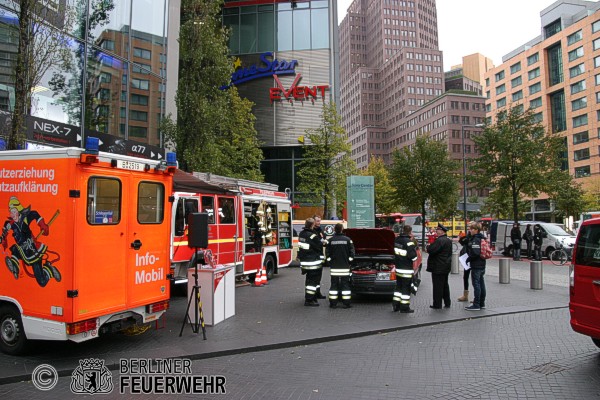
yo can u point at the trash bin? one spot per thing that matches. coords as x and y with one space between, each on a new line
217 292
455 267
504 272
536 275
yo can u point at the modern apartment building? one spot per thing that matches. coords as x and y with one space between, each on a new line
285 61
110 80
557 74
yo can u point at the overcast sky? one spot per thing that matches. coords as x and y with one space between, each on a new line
492 28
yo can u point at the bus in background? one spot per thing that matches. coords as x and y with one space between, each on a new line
388 221
584 217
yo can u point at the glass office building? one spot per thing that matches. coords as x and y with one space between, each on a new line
106 73
284 63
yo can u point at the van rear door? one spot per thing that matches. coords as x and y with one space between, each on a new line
585 292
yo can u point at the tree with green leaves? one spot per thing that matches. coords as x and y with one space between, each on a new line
567 195
215 127
41 46
517 157
424 174
326 162
386 201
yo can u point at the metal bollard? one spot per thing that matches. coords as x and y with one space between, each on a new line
536 275
504 276
455 268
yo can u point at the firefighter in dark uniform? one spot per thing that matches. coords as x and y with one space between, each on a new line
340 252
319 231
405 255
310 251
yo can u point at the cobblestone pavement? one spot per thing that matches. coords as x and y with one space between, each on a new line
532 355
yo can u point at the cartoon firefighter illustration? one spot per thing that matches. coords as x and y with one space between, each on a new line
26 247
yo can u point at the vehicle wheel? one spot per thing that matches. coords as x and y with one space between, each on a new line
549 251
269 264
596 342
12 335
508 252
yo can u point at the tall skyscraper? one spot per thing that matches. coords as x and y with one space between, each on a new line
390 66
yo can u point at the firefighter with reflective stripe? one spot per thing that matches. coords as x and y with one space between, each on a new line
340 253
310 251
405 255
319 231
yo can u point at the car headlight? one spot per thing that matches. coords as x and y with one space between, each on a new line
383 276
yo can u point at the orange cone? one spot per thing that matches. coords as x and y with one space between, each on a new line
263 276
258 279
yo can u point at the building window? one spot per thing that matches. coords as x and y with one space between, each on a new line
515 67
140 84
534 73
138 115
580 120
576 70
559 112
552 28
517 95
597 97
108 45
139 100
516 81
582 154
596 44
138 131
555 65
597 62
596 26
500 89
535 103
581 137
501 103
575 54
578 87
574 37
597 79
487 81
578 104
142 53
535 88
581 172
499 76
532 59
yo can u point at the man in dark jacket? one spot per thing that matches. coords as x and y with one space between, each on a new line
310 251
439 264
406 254
538 241
477 265
515 237
340 252
528 237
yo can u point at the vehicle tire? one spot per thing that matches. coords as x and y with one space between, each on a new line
596 342
508 252
549 251
269 265
12 335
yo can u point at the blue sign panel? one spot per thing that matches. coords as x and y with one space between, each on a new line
267 68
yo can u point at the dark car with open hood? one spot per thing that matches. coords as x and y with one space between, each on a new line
373 269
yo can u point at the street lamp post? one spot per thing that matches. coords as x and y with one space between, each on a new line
464 171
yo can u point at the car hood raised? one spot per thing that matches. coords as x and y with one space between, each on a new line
372 240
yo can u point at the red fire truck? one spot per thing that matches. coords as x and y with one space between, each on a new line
249 223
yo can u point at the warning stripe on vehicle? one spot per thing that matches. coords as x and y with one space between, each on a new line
232 240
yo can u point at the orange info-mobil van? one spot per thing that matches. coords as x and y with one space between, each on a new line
84 243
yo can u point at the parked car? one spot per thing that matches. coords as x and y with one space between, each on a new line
584 281
373 269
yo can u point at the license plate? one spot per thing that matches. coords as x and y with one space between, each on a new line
383 276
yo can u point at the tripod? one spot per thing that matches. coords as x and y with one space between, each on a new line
195 296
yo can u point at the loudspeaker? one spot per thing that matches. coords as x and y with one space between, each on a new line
198 230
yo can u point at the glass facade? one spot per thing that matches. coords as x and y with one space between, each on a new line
107 73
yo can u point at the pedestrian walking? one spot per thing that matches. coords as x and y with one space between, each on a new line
439 264
477 265
538 241
310 251
340 253
405 251
323 238
528 238
515 237
467 272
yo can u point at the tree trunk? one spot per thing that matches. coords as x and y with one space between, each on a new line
515 203
423 223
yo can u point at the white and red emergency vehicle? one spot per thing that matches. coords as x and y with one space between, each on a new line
83 242
249 223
